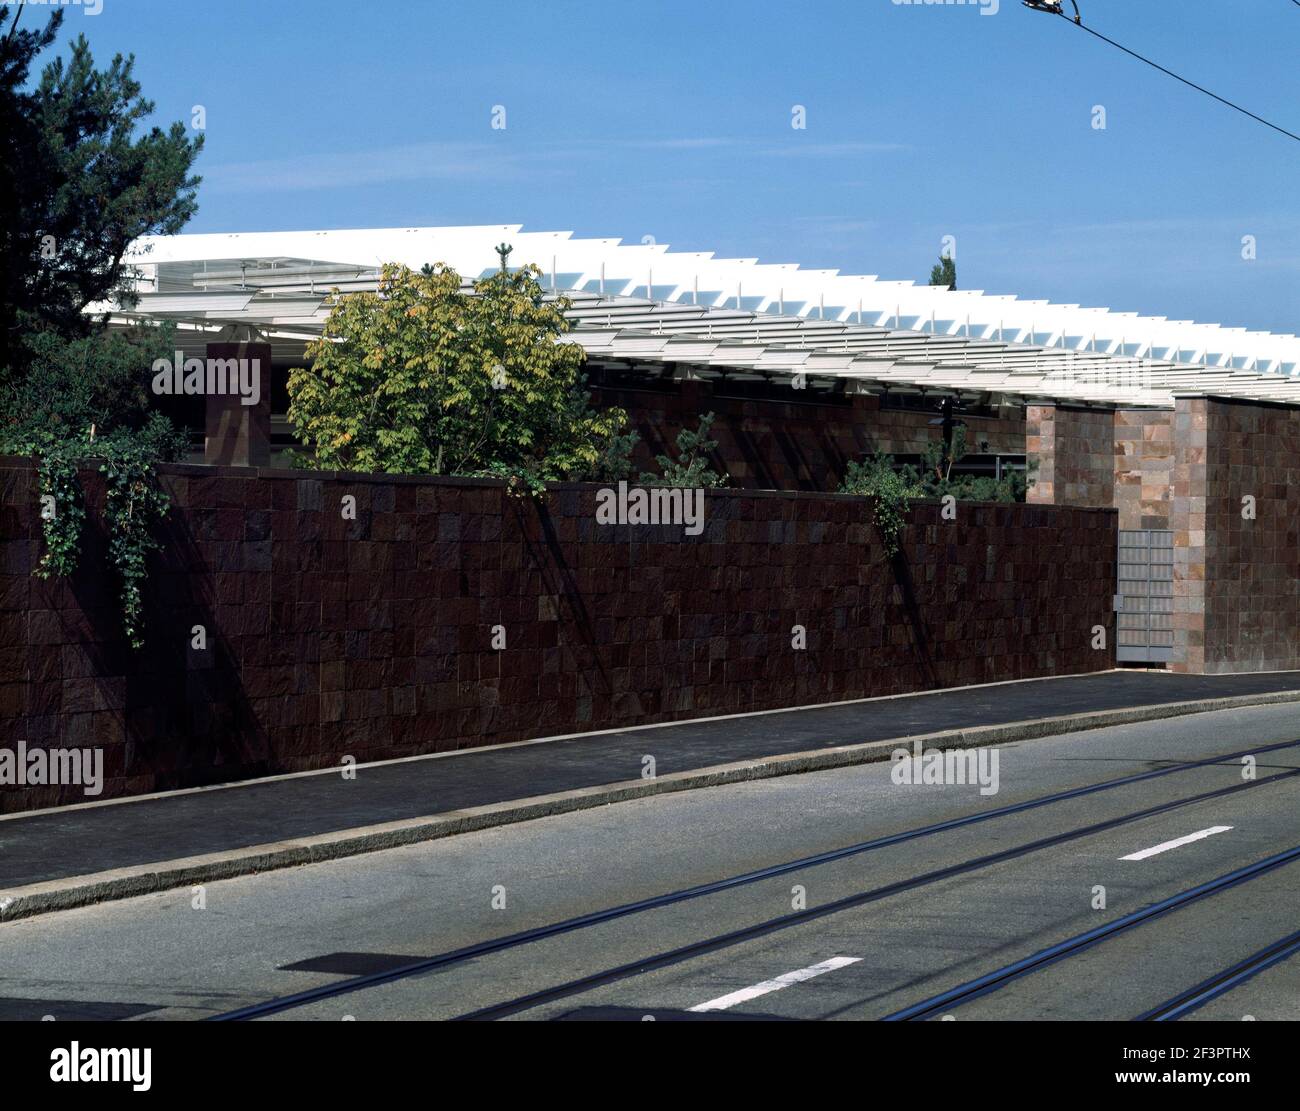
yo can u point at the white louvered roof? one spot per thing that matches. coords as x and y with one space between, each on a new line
644 303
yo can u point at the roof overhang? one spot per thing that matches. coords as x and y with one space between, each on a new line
641 302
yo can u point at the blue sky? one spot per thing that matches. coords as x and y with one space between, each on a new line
673 120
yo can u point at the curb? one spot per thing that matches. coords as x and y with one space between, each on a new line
125 883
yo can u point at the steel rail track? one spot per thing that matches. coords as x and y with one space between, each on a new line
994 981
525 937
1223 982
735 937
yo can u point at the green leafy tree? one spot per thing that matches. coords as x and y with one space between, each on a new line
73 386
615 462
937 477
80 179
691 467
424 377
944 272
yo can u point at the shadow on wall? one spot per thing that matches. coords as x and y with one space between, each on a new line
915 621
166 716
208 727
561 582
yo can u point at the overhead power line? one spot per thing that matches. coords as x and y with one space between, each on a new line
1177 77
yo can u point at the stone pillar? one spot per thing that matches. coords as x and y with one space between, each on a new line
238 434
1144 465
1187 521
1040 452
1075 452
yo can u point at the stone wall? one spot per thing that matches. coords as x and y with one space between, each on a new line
767 444
374 637
1144 467
1098 457
1236 578
1074 453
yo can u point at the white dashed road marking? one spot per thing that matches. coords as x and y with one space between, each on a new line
783 981
1165 846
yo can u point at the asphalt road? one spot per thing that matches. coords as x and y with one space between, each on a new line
924 915
41 846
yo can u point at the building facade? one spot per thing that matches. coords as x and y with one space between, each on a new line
1187 430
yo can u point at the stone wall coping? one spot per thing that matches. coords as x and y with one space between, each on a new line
199 470
1222 399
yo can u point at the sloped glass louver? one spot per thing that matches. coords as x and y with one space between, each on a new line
959 339
613 286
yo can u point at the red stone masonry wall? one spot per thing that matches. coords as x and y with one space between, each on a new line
1075 454
372 638
1187 519
1237 581
1098 457
1144 466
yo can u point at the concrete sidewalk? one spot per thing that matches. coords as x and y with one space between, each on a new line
85 853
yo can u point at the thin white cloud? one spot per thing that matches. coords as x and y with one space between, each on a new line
337 170
795 148
836 224
831 150
501 159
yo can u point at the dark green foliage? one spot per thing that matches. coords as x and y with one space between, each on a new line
128 458
80 180
616 460
938 479
71 385
889 490
134 505
81 400
691 468
944 272
63 517
891 487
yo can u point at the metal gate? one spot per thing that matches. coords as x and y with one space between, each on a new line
1145 603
